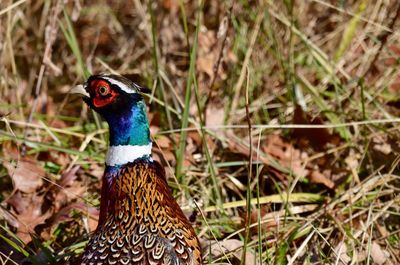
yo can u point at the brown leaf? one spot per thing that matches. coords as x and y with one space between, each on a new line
215 115
96 170
390 61
341 251
164 157
29 214
67 189
27 175
317 137
395 49
163 150
207 52
64 215
384 148
377 254
60 158
172 5
235 246
318 177
287 155
254 219
163 141
67 178
74 191
195 136
237 146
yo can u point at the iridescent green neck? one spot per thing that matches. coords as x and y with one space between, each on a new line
129 127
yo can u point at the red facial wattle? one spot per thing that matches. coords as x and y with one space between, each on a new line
102 93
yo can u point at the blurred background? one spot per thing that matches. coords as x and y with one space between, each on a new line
276 122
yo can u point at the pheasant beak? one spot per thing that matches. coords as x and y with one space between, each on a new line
79 89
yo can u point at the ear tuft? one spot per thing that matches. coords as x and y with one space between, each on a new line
137 79
145 90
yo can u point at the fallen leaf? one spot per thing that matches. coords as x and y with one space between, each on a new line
96 170
392 60
395 49
377 254
254 219
352 160
318 177
172 5
384 148
341 251
67 178
26 175
163 141
287 155
214 115
234 246
207 53
68 189
317 137
164 157
28 211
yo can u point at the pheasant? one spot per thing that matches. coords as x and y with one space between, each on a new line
140 222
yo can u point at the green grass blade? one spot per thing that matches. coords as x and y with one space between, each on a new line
188 92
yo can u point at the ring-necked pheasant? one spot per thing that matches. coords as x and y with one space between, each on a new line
140 222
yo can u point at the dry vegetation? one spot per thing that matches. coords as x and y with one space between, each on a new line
306 92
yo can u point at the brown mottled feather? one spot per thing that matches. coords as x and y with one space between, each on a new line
141 223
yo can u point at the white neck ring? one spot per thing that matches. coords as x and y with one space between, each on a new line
122 154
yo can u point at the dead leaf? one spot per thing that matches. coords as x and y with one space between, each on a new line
318 177
207 53
254 219
29 214
377 254
163 141
317 137
287 155
64 215
341 251
352 160
384 148
172 5
67 178
163 150
234 246
27 175
214 115
395 49
390 61
96 170
196 137
67 190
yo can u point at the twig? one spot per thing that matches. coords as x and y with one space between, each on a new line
285 126
50 39
238 85
249 177
211 231
224 29
383 38
14 5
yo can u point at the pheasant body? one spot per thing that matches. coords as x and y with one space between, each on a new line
140 221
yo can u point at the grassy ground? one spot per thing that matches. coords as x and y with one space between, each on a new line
275 121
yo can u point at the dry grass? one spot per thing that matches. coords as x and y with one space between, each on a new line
305 92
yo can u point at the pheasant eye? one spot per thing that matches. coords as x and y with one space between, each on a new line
101 93
103 90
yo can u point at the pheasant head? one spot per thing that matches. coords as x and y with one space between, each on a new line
120 102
